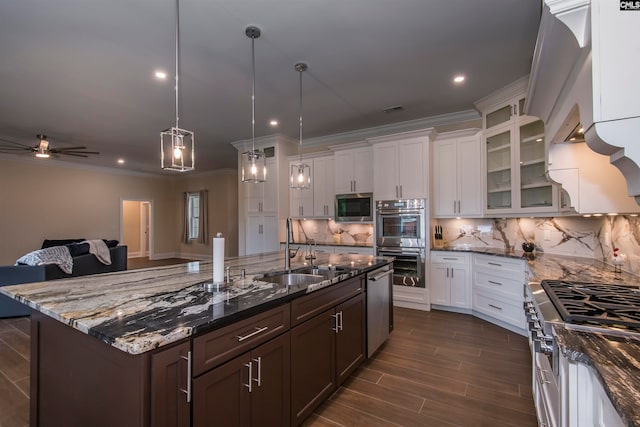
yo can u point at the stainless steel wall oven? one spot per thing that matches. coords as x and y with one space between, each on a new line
401 233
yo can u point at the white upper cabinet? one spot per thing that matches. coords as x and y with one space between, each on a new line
514 156
323 183
457 174
263 196
353 170
400 164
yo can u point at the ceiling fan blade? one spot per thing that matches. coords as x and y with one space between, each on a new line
71 148
78 152
9 147
73 154
8 141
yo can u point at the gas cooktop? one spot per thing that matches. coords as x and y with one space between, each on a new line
595 303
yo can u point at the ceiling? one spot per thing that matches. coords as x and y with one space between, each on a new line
82 72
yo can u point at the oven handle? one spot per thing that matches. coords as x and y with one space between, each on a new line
400 251
399 213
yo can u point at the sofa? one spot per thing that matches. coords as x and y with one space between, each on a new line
82 265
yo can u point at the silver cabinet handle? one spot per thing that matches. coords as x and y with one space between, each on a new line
254 333
249 383
336 329
495 264
380 276
452 272
400 190
541 379
259 364
495 306
188 390
447 271
340 317
450 259
494 283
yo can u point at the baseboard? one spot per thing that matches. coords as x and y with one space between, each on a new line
134 254
482 316
412 305
163 256
201 257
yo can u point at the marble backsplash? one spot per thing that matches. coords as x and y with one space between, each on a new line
329 231
593 237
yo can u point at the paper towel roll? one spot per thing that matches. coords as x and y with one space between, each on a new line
218 258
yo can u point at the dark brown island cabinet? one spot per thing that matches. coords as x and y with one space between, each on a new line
271 369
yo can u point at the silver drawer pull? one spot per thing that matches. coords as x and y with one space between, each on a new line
541 379
495 263
259 363
256 332
495 283
495 306
450 259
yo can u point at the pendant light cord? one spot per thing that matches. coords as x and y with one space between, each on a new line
177 61
253 95
300 146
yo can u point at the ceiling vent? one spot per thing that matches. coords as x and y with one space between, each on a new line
393 109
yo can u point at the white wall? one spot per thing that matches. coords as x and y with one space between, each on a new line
55 200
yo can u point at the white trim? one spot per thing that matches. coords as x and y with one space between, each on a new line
463 133
430 133
134 254
165 255
511 90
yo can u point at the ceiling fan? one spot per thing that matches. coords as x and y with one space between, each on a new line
42 150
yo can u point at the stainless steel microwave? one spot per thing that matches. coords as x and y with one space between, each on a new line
357 207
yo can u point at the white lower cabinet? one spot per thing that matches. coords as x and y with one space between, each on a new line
498 290
583 399
411 297
450 279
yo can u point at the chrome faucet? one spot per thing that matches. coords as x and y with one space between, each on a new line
288 240
310 252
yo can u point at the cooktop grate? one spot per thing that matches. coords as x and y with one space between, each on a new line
595 303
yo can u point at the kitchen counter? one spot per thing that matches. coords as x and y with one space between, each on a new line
615 360
613 356
140 310
550 266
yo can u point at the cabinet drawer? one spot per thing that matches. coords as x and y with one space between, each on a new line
499 262
500 308
306 307
509 286
450 257
216 347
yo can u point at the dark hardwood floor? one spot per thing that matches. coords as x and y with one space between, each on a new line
436 369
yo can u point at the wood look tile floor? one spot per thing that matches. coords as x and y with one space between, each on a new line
438 369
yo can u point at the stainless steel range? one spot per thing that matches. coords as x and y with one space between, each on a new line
590 306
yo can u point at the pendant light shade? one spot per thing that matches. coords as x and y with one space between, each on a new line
253 162
300 172
177 145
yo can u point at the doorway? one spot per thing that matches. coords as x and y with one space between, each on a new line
136 227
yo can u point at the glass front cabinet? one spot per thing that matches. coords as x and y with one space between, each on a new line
514 161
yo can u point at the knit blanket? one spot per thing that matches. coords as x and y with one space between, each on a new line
58 255
99 248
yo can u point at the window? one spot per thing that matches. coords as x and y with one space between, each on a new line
193 200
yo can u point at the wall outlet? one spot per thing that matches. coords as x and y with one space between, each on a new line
547 235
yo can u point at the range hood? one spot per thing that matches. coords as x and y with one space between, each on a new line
584 71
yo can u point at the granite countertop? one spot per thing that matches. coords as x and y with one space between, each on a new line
615 356
140 310
334 243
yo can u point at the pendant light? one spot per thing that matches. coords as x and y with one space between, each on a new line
301 172
253 163
177 145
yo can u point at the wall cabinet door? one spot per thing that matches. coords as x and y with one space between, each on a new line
445 178
469 176
250 390
169 377
263 196
400 170
324 184
353 171
301 200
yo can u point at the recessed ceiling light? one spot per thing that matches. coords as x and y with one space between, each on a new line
273 122
160 75
458 79
539 140
121 161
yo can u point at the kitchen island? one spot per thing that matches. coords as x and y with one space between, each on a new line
146 347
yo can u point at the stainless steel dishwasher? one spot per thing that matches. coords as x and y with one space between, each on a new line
378 307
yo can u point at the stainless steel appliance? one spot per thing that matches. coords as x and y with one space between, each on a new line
379 296
401 233
587 306
357 207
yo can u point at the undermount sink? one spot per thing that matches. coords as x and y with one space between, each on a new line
291 279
